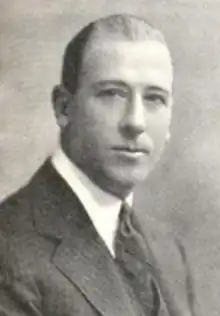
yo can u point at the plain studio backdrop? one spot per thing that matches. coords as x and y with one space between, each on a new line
184 189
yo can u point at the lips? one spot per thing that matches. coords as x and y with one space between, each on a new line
133 154
132 149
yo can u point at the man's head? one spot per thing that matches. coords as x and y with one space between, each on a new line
114 102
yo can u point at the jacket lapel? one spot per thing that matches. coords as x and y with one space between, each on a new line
164 257
88 265
80 255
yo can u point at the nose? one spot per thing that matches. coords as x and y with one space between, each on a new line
134 120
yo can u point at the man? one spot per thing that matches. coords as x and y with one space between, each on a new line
64 249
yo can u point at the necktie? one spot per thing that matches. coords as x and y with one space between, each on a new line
132 261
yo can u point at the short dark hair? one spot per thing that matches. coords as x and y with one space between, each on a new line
114 26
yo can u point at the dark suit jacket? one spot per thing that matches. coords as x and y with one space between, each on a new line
52 261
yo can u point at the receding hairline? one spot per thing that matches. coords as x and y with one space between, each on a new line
126 26
117 27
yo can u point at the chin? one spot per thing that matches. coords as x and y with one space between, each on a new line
122 182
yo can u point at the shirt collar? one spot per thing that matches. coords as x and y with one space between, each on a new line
102 207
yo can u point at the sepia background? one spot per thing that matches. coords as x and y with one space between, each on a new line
184 189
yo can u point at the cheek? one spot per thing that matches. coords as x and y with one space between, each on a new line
160 126
100 125
89 132
102 112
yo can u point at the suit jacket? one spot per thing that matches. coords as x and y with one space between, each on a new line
53 262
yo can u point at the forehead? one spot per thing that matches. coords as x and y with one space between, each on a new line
137 63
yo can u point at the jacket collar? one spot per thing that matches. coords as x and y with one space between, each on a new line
80 255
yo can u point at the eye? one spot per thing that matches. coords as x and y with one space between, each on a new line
111 93
155 99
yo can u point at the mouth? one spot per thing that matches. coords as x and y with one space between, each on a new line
132 151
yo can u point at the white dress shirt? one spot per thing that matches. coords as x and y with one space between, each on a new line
102 207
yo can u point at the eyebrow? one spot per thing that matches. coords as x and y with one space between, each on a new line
103 83
121 83
159 89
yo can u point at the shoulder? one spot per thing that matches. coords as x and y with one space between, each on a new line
19 239
20 242
23 254
153 229
168 256
16 209
14 212
165 246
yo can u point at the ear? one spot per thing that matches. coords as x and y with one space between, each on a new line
61 100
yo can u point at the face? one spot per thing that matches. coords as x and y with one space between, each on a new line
120 116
